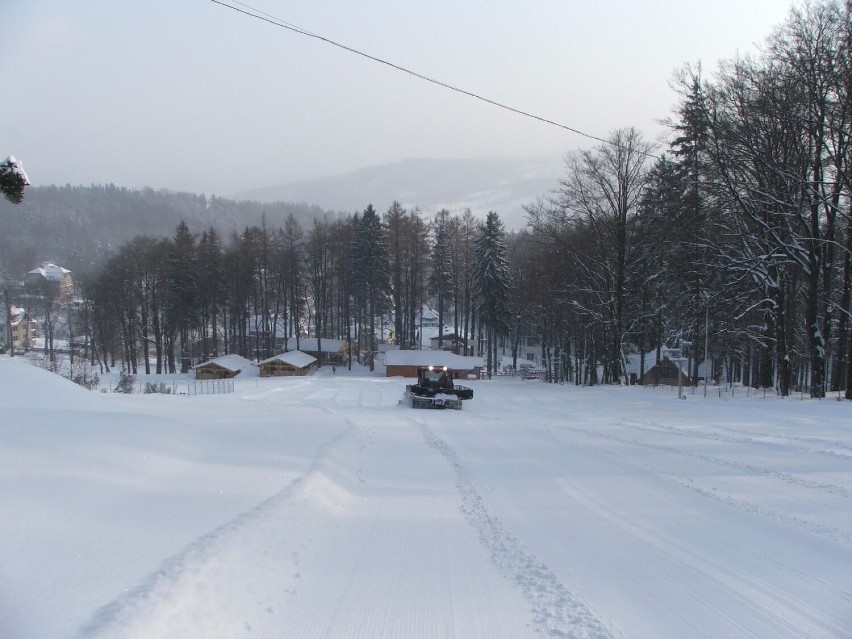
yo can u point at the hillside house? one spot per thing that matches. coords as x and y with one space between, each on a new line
23 329
49 273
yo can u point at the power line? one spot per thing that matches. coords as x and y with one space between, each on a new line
266 17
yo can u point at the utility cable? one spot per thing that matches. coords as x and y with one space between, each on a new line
265 17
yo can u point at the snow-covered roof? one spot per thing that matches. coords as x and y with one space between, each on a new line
310 344
294 358
50 272
432 358
17 314
427 314
232 362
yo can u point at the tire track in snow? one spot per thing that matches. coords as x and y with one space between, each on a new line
557 611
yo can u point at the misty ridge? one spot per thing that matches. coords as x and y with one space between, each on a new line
502 184
80 227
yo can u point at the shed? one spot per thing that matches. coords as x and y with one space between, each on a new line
224 367
406 363
665 372
291 363
325 350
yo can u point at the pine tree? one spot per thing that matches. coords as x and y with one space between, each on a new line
492 281
372 271
211 276
183 290
441 280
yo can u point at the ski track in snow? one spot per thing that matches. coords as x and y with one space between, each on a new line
746 438
557 611
182 580
785 477
788 478
826 532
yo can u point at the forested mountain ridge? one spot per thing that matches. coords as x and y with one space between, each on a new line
79 227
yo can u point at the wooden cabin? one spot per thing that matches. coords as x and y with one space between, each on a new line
289 364
665 373
224 367
406 363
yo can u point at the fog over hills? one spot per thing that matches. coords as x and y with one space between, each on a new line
499 184
79 227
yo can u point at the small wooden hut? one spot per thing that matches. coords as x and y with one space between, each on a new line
406 363
666 373
224 367
291 363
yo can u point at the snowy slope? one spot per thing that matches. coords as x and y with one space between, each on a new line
312 507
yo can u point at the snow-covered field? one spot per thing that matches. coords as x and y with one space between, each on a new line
318 507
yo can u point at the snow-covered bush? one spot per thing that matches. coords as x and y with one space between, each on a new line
154 387
85 376
125 383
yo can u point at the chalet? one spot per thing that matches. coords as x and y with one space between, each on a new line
406 363
23 329
49 273
224 367
333 350
291 363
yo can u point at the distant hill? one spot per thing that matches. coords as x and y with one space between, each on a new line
500 184
79 227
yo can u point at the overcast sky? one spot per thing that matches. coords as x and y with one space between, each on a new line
191 96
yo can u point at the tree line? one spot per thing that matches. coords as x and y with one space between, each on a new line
165 303
740 233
